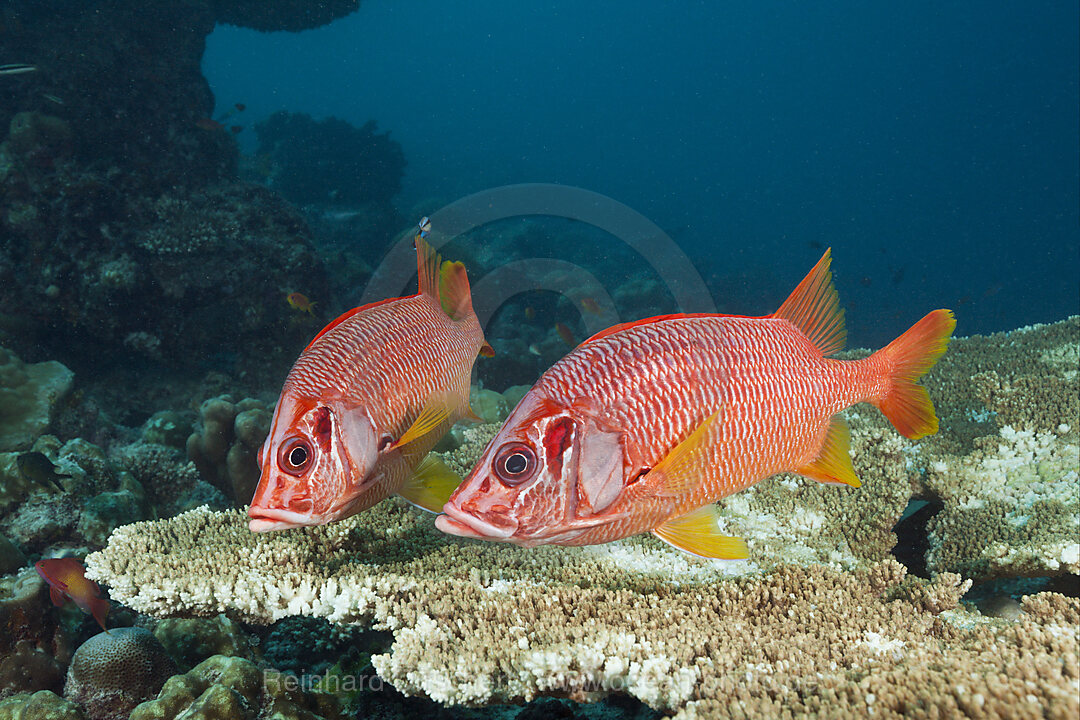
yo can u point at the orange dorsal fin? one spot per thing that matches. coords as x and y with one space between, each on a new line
427 268
454 291
833 463
814 309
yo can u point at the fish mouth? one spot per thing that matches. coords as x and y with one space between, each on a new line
455 522
267 519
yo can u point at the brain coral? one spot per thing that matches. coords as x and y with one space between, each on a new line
114 671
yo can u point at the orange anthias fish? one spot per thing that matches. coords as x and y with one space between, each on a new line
645 425
67 579
301 302
366 401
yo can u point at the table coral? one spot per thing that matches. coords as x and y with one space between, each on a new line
479 623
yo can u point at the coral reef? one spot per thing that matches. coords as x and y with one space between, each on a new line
330 161
114 671
231 688
226 442
28 394
41 705
632 617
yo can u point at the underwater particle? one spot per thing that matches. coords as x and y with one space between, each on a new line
114 671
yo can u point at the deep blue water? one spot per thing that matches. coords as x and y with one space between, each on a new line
933 145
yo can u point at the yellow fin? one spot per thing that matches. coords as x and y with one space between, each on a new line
430 485
833 463
698 533
435 415
454 293
680 472
814 308
486 350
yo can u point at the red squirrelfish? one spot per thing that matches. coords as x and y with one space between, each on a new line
67 580
366 401
644 426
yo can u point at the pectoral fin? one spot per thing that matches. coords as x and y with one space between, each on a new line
833 463
434 416
682 469
698 533
431 485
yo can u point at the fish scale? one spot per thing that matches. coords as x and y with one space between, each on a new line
643 426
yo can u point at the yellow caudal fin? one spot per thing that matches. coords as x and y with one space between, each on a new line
813 307
682 469
905 403
833 463
431 485
698 533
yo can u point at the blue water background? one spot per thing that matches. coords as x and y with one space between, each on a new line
933 145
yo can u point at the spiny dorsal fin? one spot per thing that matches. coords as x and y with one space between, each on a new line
833 463
427 268
431 485
814 309
697 532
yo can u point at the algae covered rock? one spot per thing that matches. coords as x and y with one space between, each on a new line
230 688
28 394
42 705
226 442
114 671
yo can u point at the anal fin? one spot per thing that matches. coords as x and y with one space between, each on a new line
698 533
431 485
833 463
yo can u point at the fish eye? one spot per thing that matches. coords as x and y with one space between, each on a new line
295 456
514 463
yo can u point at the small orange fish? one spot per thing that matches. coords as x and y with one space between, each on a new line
67 579
365 402
565 333
645 425
590 305
301 302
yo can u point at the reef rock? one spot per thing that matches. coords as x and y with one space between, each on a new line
28 394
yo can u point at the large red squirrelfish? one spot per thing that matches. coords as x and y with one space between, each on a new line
367 400
644 426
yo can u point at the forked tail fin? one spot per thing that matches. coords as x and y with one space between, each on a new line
908 357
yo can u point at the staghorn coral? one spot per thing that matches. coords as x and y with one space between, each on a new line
479 623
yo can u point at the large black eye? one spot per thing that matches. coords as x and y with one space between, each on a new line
295 456
514 463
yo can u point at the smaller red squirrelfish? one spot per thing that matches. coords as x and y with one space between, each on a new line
645 425
365 402
67 579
